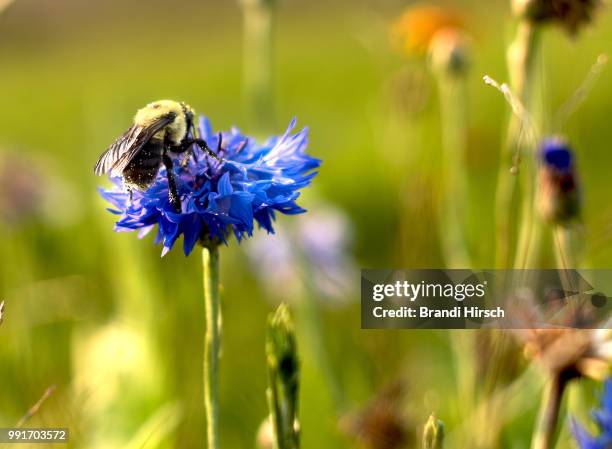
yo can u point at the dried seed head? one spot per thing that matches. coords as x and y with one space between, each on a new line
570 352
569 14
381 424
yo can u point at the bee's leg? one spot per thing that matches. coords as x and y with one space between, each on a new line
130 195
204 146
185 146
173 195
194 135
187 143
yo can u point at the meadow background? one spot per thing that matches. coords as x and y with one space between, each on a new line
119 331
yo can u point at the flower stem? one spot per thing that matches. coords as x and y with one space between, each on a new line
521 62
545 432
212 341
454 176
566 246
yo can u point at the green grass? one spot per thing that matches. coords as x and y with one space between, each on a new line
71 77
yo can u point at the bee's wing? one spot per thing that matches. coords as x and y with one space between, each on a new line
120 153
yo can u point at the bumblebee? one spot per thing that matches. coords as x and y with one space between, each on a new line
160 128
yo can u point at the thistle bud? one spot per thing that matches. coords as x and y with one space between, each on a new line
433 433
559 195
449 52
569 14
283 378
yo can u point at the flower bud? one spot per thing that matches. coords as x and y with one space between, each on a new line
449 52
433 433
413 31
559 195
283 378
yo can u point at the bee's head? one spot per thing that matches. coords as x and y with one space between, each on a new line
157 109
182 118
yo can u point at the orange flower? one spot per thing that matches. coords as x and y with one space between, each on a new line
417 26
450 51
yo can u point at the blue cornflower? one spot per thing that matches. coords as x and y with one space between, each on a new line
559 200
556 153
603 419
250 184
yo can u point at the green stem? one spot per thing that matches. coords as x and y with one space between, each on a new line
276 417
545 432
530 228
566 249
454 177
212 341
258 61
521 62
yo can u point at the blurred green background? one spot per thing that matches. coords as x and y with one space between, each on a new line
119 331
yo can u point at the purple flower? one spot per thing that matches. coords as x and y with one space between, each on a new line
310 256
250 184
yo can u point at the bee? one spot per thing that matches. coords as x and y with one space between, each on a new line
160 128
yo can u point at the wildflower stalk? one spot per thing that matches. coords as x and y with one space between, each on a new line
454 195
521 61
566 246
283 379
258 61
212 341
559 200
546 427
